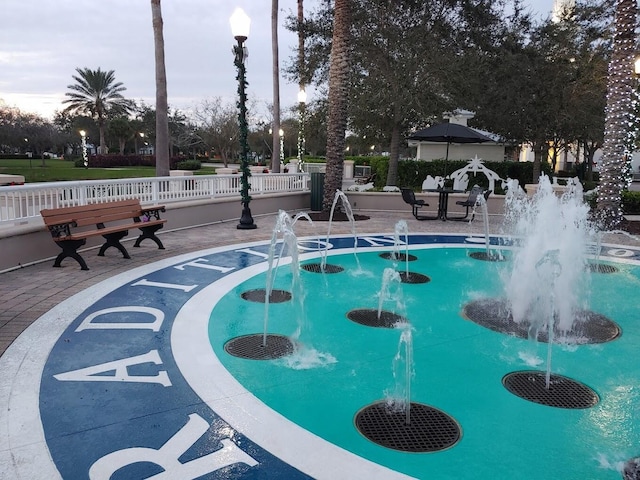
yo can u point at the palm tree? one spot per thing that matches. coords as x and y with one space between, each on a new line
615 156
301 77
97 94
275 156
338 96
162 106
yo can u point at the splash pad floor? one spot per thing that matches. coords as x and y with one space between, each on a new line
129 377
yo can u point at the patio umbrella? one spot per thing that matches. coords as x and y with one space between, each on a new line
449 133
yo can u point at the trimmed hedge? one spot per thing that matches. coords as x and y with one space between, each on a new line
630 202
189 165
109 161
411 173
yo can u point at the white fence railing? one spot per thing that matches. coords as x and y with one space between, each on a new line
22 202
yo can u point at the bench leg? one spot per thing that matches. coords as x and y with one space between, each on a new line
69 249
113 240
149 232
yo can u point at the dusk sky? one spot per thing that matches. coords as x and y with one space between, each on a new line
42 42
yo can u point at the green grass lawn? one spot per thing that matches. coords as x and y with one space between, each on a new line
55 170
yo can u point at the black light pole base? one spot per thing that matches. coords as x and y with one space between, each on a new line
246 220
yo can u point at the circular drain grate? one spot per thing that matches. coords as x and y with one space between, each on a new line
488 257
252 347
401 257
259 295
429 429
631 470
369 317
589 327
413 277
563 392
602 268
317 268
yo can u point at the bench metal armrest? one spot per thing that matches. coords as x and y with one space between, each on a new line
149 212
61 229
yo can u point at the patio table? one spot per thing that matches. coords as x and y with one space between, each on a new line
443 201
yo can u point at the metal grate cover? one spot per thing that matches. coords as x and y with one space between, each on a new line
603 268
260 294
563 392
400 257
413 277
317 268
589 327
429 429
252 347
631 469
488 257
369 317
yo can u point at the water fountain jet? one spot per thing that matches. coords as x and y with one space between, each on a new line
271 345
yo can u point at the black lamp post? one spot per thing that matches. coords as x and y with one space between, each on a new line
240 24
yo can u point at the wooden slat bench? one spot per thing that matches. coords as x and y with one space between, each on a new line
71 226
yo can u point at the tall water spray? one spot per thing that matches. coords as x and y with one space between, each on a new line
403 371
482 203
340 195
391 291
401 229
548 269
284 226
542 224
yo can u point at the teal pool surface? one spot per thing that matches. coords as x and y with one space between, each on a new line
344 366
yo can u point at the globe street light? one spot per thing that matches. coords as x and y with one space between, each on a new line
240 25
302 100
83 136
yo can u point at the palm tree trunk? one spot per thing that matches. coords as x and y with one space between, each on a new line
102 149
615 157
394 156
301 68
338 99
275 156
301 80
162 107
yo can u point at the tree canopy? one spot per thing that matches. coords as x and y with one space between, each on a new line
535 82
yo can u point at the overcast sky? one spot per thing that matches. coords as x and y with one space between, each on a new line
42 42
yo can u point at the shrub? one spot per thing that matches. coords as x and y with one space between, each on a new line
631 203
411 172
189 165
117 160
